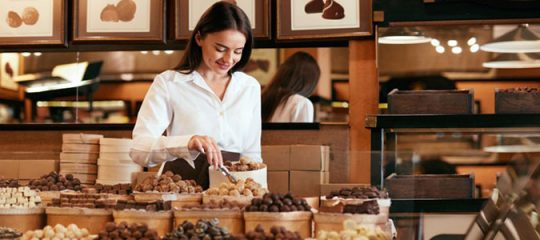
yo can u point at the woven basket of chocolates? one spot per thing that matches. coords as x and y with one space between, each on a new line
168 187
243 169
335 201
279 210
366 213
20 209
228 213
241 192
161 221
93 219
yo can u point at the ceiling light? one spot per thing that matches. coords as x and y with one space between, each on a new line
471 41
435 42
439 49
168 52
514 60
155 52
26 54
519 40
456 50
474 48
452 43
144 52
405 35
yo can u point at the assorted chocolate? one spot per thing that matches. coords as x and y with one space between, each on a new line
168 182
367 207
353 230
9 233
124 231
359 193
8 182
120 189
203 229
21 197
272 202
248 188
83 200
275 233
521 90
225 204
59 231
55 182
157 205
245 164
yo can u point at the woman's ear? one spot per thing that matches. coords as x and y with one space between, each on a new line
198 38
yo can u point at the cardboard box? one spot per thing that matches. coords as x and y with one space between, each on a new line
32 169
276 157
278 181
307 183
329 187
310 158
9 169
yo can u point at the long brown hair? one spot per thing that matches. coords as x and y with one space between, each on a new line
220 16
299 74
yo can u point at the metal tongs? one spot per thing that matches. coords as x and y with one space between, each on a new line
227 174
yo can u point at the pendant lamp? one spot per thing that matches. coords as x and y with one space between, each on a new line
519 40
514 61
403 35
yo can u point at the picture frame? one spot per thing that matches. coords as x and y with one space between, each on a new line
303 19
188 12
118 20
28 22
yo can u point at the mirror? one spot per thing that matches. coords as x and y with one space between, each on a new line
36 86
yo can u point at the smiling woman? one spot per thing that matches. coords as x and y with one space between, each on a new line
199 106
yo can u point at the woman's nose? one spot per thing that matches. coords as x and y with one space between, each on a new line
228 57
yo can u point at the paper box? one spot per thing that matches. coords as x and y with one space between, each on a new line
276 157
278 181
307 183
32 169
9 169
310 158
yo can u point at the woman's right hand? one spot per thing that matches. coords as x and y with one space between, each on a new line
208 146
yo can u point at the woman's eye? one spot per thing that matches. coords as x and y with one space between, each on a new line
221 49
238 52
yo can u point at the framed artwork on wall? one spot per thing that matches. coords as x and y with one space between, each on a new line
305 19
30 22
118 20
188 12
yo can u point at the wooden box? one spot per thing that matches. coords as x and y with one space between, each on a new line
449 186
293 221
161 221
517 100
431 102
233 220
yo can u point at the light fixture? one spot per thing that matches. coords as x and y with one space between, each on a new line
456 50
440 49
474 48
471 41
403 35
452 43
519 40
514 60
435 42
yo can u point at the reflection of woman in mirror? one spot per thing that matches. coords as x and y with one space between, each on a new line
285 99
207 105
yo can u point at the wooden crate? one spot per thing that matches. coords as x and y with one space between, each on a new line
431 102
449 186
508 101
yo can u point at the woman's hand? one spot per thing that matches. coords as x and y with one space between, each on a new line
208 146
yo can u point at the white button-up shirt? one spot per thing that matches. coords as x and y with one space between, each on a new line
183 105
296 109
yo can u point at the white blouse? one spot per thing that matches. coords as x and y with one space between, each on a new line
296 109
183 105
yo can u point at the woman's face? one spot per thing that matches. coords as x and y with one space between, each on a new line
221 50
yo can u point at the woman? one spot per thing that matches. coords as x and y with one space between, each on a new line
205 106
285 99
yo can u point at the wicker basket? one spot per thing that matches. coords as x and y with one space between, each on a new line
231 219
23 219
92 219
334 221
160 221
293 221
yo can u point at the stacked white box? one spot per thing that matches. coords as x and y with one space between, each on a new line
79 156
114 163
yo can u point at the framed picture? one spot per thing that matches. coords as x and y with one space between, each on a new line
30 22
188 12
115 20
304 19
9 63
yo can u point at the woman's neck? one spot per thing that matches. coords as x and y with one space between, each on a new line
211 76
